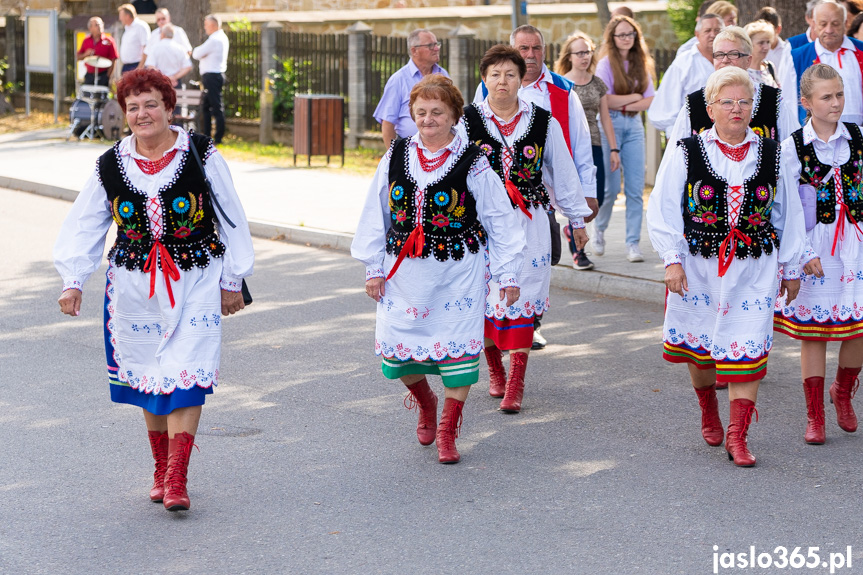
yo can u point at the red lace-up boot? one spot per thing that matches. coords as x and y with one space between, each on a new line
735 439
159 446
422 397
841 392
448 429
721 385
813 387
711 426
496 373
179 451
515 384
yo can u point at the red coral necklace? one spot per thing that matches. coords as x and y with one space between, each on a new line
151 167
508 128
734 154
432 165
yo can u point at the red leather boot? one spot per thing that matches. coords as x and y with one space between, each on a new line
159 446
721 385
447 430
813 388
735 439
179 451
496 373
421 396
711 426
515 384
841 392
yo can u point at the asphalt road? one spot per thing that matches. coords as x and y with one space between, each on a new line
309 462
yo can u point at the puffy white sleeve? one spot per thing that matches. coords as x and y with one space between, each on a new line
239 258
664 212
668 99
787 217
478 95
789 121
79 247
682 127
370 241
561 178
506 239
582 152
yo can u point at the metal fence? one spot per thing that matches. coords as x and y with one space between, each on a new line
320 61
243 85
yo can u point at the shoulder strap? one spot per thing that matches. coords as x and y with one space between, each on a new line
193 148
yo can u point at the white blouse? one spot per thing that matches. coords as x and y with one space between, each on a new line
665 215
505 239
79 247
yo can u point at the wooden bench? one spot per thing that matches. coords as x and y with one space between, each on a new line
188 102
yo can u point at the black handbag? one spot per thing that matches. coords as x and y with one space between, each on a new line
247 295
556 244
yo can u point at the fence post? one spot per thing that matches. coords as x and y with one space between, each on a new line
358 89
654 153
12 25
459 63
60 82
268 51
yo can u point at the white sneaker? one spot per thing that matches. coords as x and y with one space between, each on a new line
598 242
634 254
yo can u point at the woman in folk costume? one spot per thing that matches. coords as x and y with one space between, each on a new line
528 152
723 220
826 158
435 223
175 269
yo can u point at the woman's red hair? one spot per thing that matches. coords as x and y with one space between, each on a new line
144 80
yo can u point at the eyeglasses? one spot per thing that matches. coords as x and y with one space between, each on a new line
728 103
626 35
431 46
582 54
733 55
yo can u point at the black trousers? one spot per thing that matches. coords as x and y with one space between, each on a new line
212 106
103 78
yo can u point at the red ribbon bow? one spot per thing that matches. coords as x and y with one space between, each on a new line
730 241
169 269
413 248
517 199
839 234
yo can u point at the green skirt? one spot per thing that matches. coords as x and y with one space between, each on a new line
454 372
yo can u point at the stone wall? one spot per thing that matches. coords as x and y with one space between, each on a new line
298 5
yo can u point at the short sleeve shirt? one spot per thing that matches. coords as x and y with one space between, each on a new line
394 106
590 94
603 70
104 47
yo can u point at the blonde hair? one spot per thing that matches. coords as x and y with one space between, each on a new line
735 34
724 77
814 74
641 67
760 27
564 62
722 8
128 9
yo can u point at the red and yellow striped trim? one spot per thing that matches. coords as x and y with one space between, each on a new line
726 371
683 354
814 331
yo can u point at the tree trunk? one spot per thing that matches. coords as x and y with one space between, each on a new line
189 16
791 11
603 12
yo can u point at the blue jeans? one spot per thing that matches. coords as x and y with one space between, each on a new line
629 132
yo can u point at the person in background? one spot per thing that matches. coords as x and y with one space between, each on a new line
688 72
163 18
168 57
97 44
144 6
856 28
626 67
212 56
809 35
761 35
576 63
728 15
780 50
134 38
393 112
852 9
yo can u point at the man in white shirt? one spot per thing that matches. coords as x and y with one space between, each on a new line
688 72
834 48
134 39
168 57
163 18
212 56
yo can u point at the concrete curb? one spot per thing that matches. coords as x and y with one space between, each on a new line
563 277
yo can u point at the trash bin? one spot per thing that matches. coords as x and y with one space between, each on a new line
319 126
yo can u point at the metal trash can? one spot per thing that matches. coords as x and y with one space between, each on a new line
319 126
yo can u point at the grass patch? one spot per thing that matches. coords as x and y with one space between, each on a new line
20 122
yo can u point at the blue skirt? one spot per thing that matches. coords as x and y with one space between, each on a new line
155 403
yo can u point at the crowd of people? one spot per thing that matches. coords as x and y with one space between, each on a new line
166 49
754 214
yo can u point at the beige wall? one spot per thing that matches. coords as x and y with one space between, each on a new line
248 5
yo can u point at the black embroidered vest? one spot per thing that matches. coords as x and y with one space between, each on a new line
449 218
526 171
765 113
188 219
705 205
813 172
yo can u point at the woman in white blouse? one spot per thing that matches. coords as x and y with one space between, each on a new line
435 223
723 220
174 270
